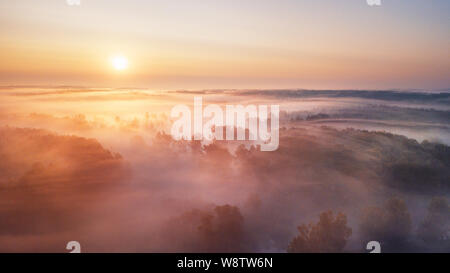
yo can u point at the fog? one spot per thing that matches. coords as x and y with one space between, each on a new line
99 167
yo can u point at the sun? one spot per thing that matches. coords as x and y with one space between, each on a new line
119 62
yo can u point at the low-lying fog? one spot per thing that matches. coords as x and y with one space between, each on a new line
98 166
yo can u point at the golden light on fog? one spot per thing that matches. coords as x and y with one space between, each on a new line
119 62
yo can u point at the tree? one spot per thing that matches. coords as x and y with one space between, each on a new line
222 231
390 224
330 234
213 229
435 228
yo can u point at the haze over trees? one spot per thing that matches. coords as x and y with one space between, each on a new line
390 224
120 183
329 234
435 228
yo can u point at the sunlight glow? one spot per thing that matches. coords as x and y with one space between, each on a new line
119 62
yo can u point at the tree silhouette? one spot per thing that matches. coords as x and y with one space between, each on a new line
330 234
390 224
435 228
222 231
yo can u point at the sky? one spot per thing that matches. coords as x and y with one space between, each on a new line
189 44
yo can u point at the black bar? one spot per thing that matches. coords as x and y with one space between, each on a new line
170 262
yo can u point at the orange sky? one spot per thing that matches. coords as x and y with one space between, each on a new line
226 44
